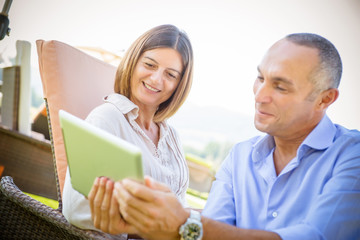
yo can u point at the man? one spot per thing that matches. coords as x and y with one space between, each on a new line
299 181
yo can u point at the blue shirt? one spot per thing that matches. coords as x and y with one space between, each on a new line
316 196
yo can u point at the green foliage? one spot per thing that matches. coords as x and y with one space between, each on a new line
213 152
202 195
196 159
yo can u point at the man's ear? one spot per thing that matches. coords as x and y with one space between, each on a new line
328 97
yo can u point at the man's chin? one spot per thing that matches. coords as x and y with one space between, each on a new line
261 127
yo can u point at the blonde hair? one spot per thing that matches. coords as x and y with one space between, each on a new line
164 36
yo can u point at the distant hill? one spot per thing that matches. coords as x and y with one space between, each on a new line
198 125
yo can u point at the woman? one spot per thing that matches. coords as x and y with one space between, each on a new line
151 83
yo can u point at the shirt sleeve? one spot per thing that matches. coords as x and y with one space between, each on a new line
101 118
76 208
336 211
220 204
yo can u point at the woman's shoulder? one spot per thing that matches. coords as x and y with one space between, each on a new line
114 105
105 110
107 117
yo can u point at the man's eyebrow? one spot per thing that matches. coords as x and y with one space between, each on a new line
278 79
158 63
283 80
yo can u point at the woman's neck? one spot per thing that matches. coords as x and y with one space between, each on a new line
147 124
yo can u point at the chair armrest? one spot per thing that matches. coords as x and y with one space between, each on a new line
22 217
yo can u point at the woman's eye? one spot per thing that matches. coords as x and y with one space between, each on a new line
172 75
149 65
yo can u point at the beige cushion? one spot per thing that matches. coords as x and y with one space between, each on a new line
74 81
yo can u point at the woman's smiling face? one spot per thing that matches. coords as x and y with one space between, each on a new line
156 76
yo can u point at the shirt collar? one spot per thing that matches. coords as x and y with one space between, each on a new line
124 105
131 110
319 138
262 147
322 136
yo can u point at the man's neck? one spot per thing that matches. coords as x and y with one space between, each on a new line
284 152
286 146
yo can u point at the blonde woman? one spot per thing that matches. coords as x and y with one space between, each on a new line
152 82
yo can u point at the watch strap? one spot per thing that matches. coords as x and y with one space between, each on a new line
195 215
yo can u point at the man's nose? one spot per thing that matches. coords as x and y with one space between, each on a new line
263 93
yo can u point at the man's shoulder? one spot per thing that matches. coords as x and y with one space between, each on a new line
345 134
346 142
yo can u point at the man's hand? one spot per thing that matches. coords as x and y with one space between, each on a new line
151 208
105 209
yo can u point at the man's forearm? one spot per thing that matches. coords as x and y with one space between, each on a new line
217 230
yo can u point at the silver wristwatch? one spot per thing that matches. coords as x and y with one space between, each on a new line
192 228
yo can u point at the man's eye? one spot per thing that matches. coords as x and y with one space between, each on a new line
280 88
260 78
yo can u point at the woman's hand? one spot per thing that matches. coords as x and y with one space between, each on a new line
104 208
152 208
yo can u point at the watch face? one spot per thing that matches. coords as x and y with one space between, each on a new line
192 231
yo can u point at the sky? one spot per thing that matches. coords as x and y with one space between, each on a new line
229 38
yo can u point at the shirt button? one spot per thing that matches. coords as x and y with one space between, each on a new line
274 214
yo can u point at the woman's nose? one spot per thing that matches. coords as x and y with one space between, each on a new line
156 76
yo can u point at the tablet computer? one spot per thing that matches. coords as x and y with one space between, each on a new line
92 152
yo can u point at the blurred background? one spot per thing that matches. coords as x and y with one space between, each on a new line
229 38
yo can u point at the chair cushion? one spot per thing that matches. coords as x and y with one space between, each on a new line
74 81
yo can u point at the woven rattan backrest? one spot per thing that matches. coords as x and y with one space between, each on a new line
74 81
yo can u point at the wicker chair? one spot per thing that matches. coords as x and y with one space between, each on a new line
66 74
22 217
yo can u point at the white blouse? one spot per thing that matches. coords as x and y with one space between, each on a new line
165 163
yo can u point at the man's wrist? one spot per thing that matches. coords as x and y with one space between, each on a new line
192 228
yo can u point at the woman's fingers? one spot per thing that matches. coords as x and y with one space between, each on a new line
98 202
105 206
105 211
91 197
114 216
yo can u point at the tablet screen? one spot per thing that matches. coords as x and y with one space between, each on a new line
92 152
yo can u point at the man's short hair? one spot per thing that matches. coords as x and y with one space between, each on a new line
328 73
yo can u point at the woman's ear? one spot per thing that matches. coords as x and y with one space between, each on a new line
328 97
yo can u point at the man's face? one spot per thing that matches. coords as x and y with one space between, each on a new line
282 104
